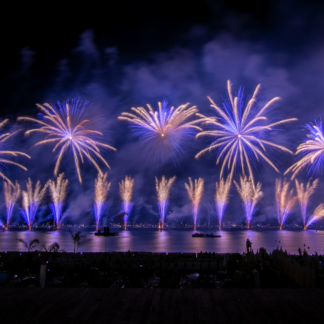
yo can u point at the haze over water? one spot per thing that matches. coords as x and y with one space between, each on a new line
173 240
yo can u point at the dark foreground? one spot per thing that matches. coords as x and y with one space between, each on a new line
136 305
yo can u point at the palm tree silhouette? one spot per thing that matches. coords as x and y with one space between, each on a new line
29 245
79 240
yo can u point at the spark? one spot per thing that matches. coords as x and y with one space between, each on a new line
250 196
4 152
102 187
195 191
70 124
303 195
126 191
164 131
221 198
58 194
11 194
285 201
317 215
163 188
311 151
240 133
31 200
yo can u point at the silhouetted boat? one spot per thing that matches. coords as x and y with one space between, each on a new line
211 235
106 232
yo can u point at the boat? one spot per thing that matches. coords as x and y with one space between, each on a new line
211 235
106 232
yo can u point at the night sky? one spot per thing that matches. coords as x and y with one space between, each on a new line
128 54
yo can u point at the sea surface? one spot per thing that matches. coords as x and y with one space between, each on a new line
172 240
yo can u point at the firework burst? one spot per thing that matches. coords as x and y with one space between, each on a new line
31 200
102 187
311 151
163 188
195 191
165 131
58 193
221 198
285 201
303 195
240 133
250 196
317 215
5 153
126 191
11 194
70 125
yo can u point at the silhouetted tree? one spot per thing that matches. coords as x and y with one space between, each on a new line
79 240
29 245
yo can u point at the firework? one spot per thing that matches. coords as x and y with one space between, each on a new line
163 188
250 196
12 194
195 191
164 131
311 150
221 198
240 133
31 200
285 201
317 215
126 192
102 187
58 193
303 195
70 125
4 152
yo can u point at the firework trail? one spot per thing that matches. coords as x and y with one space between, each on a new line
250 196
195 191
11 194
240 133
221 198
285 201
303 195
4 152
70 125
102 187
317 215
126 191
163 188
164 131
58 194
31 200
311 151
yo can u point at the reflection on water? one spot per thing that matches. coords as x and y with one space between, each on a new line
172 240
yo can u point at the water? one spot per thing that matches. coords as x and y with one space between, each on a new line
173 240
